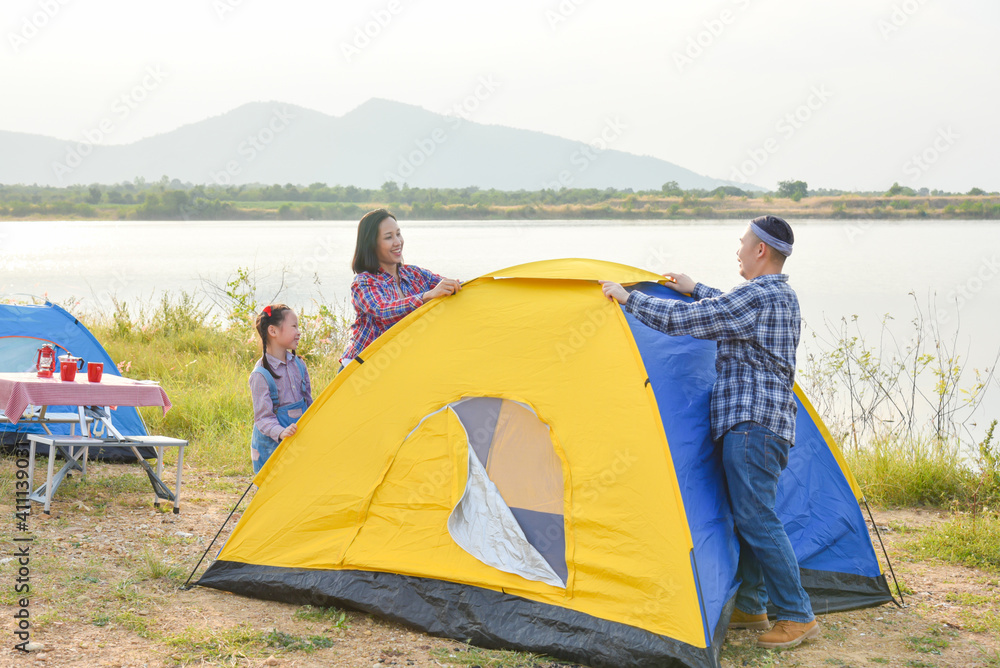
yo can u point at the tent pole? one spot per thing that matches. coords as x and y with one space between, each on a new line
899 591
186 586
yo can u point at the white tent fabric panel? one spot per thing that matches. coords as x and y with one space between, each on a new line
483 525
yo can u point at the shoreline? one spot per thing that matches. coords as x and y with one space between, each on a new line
517 222
177 205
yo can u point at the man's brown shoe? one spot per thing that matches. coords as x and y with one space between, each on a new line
788 634
743 620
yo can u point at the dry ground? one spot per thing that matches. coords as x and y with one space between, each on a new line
106 566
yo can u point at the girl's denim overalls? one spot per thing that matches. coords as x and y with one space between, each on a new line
261 445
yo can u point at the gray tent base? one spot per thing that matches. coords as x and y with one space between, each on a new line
482 617
495 620
837 592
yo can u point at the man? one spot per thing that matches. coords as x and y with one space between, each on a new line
757 327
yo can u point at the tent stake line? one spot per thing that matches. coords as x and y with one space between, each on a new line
899 591
186 586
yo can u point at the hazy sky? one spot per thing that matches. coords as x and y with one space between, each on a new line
850 94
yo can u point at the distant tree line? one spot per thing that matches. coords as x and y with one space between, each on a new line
173 199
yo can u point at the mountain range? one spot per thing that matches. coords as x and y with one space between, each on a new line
379 141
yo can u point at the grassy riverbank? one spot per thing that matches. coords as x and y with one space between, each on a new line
106 566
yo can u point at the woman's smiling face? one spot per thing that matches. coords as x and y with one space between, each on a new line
389 245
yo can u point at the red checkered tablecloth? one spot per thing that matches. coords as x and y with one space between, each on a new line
19 390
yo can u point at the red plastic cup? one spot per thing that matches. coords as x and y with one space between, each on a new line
69 365
67 371
94 371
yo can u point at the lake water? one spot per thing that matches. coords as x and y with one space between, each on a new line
839 269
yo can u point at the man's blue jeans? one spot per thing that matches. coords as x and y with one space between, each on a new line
754 457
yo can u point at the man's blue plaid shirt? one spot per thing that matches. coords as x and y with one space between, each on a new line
757 326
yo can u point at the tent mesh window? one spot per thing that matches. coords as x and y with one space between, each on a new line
18 353
511 513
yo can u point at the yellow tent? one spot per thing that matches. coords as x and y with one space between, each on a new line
497 467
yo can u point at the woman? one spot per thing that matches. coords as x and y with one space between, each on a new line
384 289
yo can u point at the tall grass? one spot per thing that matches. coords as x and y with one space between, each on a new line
917 472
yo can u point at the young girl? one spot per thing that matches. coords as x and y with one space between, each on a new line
279 383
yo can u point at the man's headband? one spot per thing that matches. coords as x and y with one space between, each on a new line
777 226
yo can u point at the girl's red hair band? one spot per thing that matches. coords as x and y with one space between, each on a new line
267 310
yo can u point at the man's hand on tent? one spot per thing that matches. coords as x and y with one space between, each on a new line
680 282
614 292
288 431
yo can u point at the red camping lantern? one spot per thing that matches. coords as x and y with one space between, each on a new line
45 362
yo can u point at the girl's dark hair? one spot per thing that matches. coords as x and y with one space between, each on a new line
365 258
273 314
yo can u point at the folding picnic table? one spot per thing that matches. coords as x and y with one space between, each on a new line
18 391
41 416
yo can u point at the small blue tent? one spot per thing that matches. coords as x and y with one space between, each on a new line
23 330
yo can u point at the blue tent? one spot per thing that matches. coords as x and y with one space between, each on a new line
23 330
818 497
